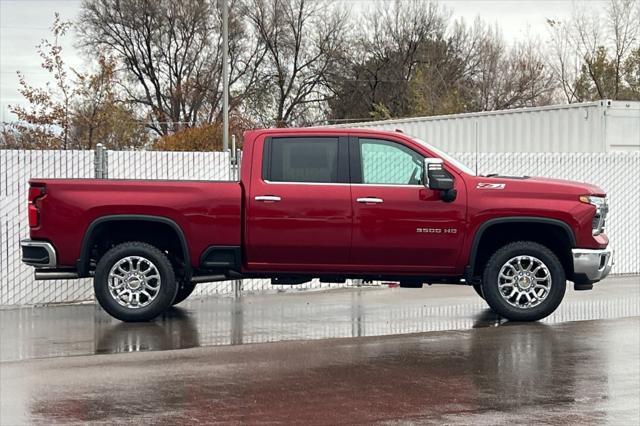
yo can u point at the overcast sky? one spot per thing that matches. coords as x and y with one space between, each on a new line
23 23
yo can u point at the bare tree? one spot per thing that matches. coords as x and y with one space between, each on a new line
624 27
304 42
170 52
563 60
395 39
413 61
590 53
510 76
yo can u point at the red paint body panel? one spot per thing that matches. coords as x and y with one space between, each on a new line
310 228
207 212
537 197
318 228
386 237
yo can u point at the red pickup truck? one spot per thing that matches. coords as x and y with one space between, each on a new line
332 204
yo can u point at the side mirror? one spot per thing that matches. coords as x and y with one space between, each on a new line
435 176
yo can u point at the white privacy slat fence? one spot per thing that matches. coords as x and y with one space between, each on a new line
16 167
168 165
617 173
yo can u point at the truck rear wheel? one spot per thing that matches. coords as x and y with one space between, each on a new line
524 281
135 281
184 290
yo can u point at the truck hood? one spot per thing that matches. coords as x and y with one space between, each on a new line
536 185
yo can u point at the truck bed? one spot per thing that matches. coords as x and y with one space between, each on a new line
207 212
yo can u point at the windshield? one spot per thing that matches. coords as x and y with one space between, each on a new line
446 157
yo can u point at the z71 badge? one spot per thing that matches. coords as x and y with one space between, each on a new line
483 185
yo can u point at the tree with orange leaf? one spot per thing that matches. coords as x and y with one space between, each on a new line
45 122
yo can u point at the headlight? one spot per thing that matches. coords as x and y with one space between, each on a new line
602 208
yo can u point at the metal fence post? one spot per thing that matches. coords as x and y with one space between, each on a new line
97 161
105 163
234 169
238 158
100 163
233 160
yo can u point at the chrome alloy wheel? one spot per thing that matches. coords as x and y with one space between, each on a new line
134 282
524 282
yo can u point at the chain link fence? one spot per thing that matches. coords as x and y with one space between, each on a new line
617 173
17 286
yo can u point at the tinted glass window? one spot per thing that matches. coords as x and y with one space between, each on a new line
304 160
389 163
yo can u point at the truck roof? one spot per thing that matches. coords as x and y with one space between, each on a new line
319 130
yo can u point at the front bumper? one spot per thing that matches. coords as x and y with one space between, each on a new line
590 266
38 253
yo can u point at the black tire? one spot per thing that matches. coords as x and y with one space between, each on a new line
492 292
163 298
478 289
184 290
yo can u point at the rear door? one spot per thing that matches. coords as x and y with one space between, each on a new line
299 216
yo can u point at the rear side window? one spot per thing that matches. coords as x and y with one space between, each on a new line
313 160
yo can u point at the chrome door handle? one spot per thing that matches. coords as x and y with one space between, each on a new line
370 200
272 198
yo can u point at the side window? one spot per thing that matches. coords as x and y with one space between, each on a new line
389 163
303 160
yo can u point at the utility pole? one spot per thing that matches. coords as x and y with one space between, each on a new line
225 76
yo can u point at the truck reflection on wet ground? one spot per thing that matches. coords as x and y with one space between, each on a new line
86 329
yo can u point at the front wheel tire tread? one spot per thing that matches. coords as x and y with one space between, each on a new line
490 289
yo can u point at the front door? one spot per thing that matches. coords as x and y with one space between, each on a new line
399 225
299 213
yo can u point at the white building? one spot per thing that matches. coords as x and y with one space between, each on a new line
600 126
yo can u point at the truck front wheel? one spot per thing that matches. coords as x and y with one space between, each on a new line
135 281
524 281
478 289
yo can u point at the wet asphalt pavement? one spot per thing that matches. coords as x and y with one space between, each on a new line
432 355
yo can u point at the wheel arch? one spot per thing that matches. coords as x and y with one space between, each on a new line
486 229
91 233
